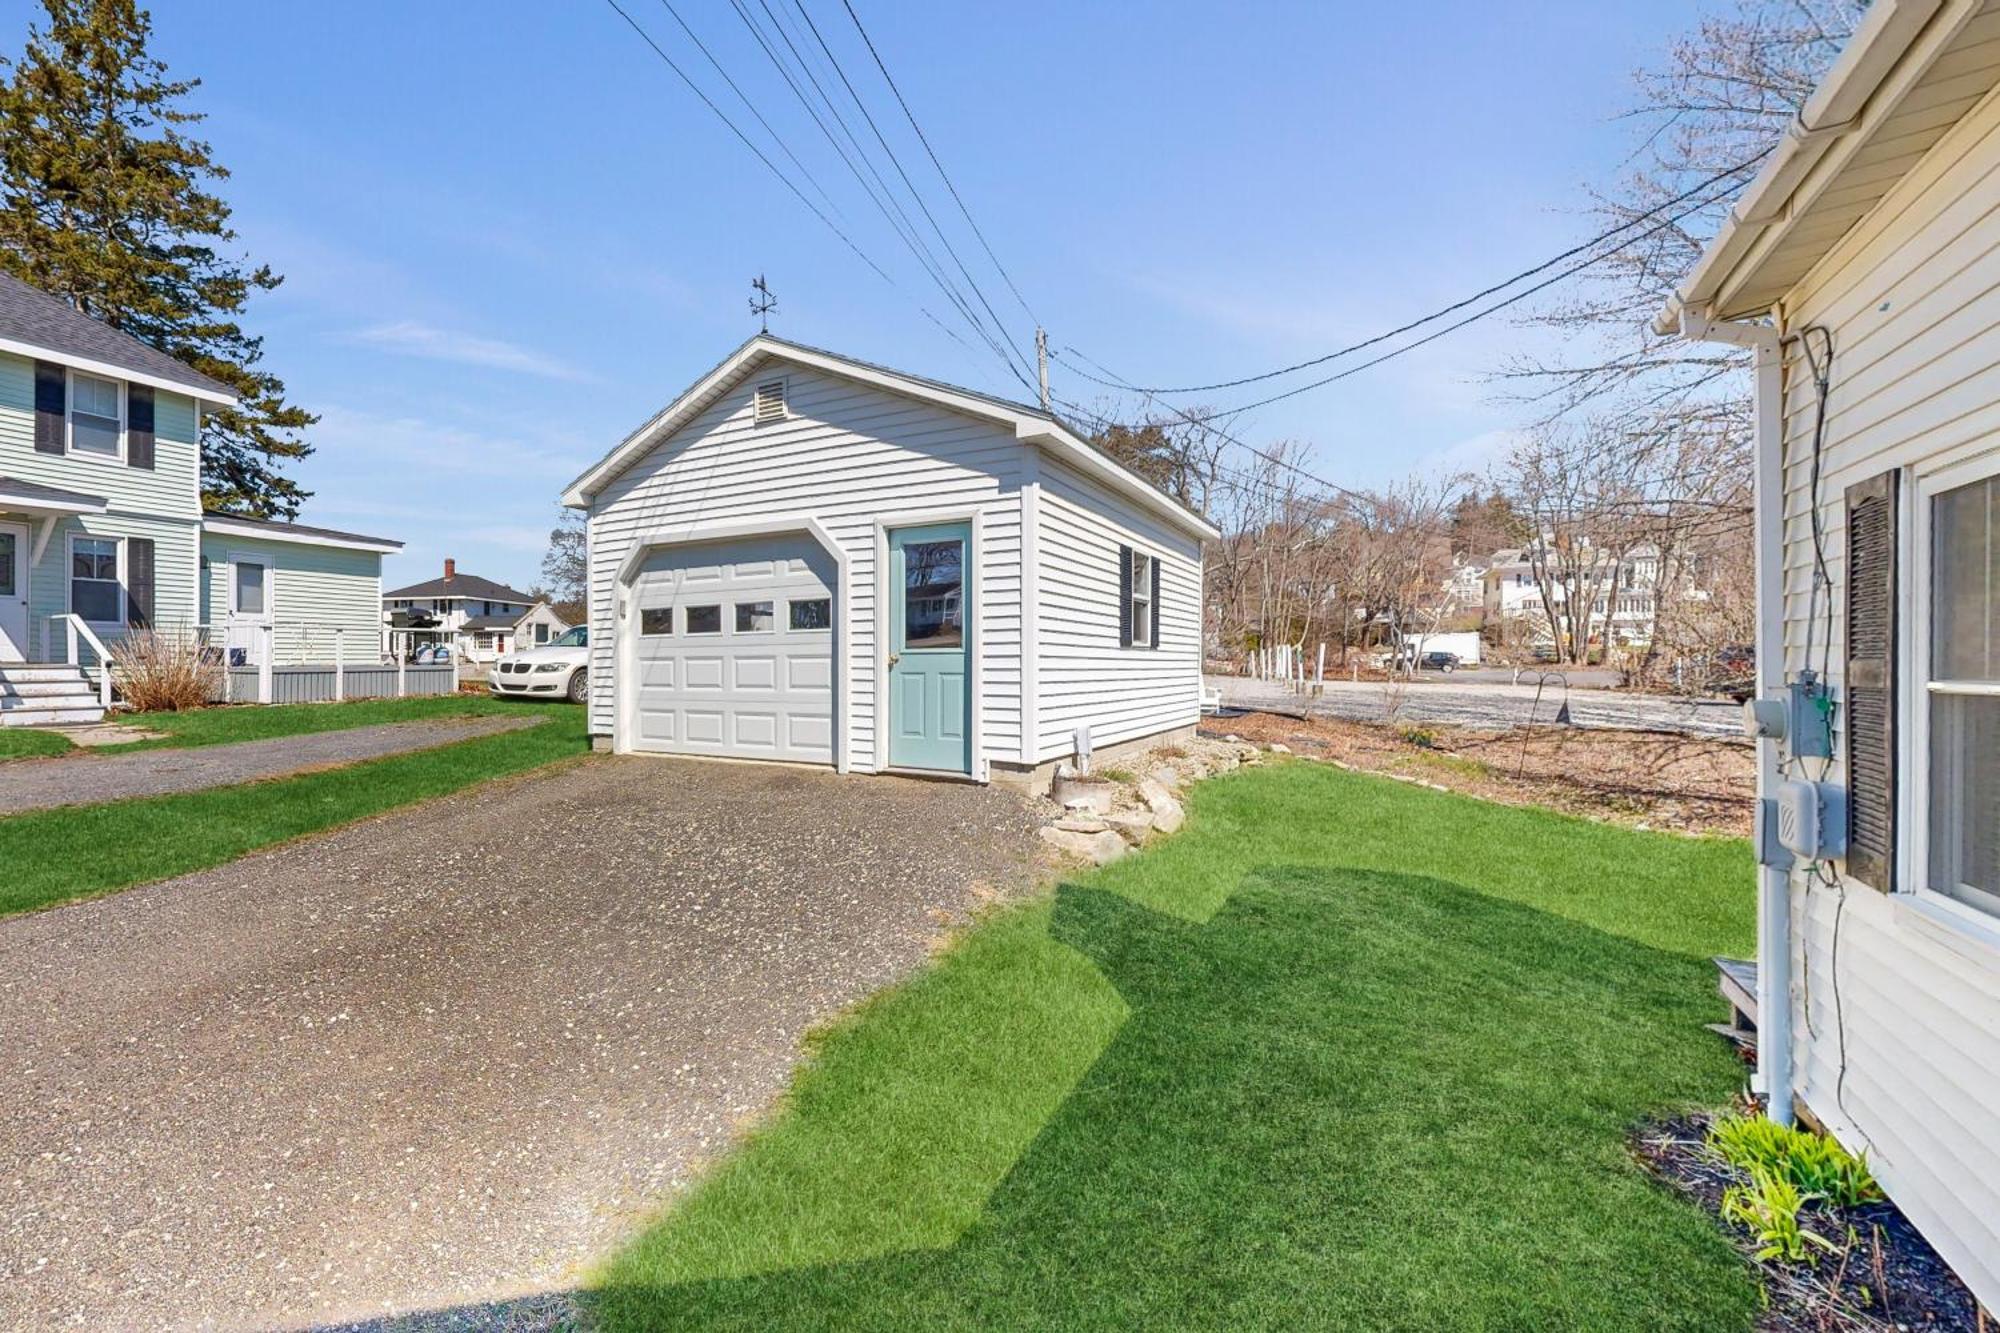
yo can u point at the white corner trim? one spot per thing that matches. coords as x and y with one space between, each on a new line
1031 600
624 666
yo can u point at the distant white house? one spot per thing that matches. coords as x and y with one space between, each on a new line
1517 603
808 558
478 619
1863 258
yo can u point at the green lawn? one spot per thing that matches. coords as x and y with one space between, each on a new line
1344 1054
29 743
255 722
53 856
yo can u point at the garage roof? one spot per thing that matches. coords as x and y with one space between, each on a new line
1911 71
1031 425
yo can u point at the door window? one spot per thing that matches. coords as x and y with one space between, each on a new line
10 585
933 594
249 588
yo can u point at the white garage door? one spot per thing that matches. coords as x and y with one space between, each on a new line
734 649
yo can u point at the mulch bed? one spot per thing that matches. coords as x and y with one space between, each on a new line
1642 779
1887 1278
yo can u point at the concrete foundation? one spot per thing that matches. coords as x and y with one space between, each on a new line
1037 780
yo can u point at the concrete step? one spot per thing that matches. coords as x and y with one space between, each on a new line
16 672
51 717
35 689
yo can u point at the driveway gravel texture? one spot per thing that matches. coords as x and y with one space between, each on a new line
450 1055
87 779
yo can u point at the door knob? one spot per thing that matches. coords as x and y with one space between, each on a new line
895 658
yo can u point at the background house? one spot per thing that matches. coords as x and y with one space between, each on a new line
102 531
1859 269
892 573
478 619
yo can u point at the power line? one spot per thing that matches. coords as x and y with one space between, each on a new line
1453 327
1544 266
783 179
897 163
898 220
942 174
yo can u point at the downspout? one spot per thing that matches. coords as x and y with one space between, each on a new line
1774 887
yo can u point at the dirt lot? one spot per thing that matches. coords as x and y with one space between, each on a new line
1645 779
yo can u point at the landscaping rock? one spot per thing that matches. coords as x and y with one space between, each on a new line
1080 823
1279 747
1097 848
1135 826
1168 815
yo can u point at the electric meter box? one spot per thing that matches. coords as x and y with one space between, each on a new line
1812 819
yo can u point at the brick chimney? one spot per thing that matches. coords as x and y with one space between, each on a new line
450 569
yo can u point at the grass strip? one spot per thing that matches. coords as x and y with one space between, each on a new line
30 743
1345 1053
255 722
54 856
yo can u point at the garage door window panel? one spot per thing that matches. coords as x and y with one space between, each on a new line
755 618
814 613
704 620
654 621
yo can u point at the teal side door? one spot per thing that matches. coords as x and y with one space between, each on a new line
930 647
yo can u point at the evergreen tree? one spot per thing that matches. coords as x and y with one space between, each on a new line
104 202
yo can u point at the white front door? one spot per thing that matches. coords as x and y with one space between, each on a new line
249 609
13 592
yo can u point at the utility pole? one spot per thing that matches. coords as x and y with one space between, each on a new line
1042 362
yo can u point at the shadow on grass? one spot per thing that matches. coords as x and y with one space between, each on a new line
1350 1099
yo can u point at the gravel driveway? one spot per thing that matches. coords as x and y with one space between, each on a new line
448 1055
1496 706
80 779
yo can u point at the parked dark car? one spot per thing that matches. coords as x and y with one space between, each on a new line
1445 662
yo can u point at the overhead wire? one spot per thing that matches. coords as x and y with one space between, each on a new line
1728 173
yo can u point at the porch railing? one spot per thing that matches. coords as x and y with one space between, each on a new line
76 635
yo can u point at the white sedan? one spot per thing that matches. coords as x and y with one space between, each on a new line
559 669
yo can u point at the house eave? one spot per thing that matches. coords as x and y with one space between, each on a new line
112 370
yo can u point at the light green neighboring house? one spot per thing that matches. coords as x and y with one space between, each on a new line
102 530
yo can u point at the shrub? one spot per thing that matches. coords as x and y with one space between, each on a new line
1768 1207
1421 737
1812 1163
161 671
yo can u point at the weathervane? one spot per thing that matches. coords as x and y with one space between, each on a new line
763 303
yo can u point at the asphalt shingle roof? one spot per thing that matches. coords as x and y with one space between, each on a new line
463 585
279 529
30 315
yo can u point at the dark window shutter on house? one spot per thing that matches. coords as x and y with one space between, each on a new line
1153 606
1871 681
139 426
139 582
50 390
1124 597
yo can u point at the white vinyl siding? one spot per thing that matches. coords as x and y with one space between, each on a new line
845 453
1084 675
171 488
1897 1031
314 590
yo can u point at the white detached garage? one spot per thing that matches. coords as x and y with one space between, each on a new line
807 558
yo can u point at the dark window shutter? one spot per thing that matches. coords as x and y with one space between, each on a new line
139 426
1871 681
1124 597
139 582
50 391
1153 606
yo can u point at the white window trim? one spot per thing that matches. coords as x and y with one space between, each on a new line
1914 691
269 615
69 577
69 411
1142 594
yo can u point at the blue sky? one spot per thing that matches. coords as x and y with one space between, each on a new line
509 234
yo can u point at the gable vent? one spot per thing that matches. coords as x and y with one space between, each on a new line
770 405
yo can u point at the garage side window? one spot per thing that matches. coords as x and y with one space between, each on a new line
653 620
704 620
812 613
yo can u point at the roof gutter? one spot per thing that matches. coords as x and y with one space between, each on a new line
1883 36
